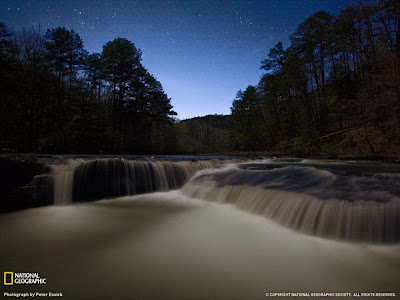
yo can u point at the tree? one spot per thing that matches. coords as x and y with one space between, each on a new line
94 69
65 52
335 88
275 60
121 60
58 98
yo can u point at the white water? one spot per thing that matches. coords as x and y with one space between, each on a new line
168 246
233 231
345 201
82 180
63 178
314 201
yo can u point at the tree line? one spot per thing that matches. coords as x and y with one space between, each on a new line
58 98
334 90
205 135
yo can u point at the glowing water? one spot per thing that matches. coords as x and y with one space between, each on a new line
361 207
340 200
176 245
168 246
83 180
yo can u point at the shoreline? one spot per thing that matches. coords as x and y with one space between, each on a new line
30 157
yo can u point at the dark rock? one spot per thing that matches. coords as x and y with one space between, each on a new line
24 183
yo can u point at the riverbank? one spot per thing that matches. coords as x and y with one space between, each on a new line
25 183
271 154
34 157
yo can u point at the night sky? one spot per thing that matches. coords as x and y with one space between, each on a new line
203 52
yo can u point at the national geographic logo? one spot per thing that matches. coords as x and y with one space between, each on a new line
11 278
8 278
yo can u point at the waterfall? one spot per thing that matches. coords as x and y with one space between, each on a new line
354 202
309 200
63 178
84 180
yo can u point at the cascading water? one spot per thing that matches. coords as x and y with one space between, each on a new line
336 204
83 180
63 179
169 245
356 202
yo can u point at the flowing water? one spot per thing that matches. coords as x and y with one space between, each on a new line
90 179
210 229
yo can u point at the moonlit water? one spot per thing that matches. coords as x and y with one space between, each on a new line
167 246
92 179
194 243
331 201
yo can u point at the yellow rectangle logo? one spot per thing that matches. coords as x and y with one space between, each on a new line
11 281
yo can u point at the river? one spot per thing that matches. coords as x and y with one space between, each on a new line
209 229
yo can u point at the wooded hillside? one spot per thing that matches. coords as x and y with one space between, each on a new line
58 98
334 90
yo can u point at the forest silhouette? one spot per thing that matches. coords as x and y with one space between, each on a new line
335 90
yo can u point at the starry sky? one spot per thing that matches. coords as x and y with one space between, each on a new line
202 51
